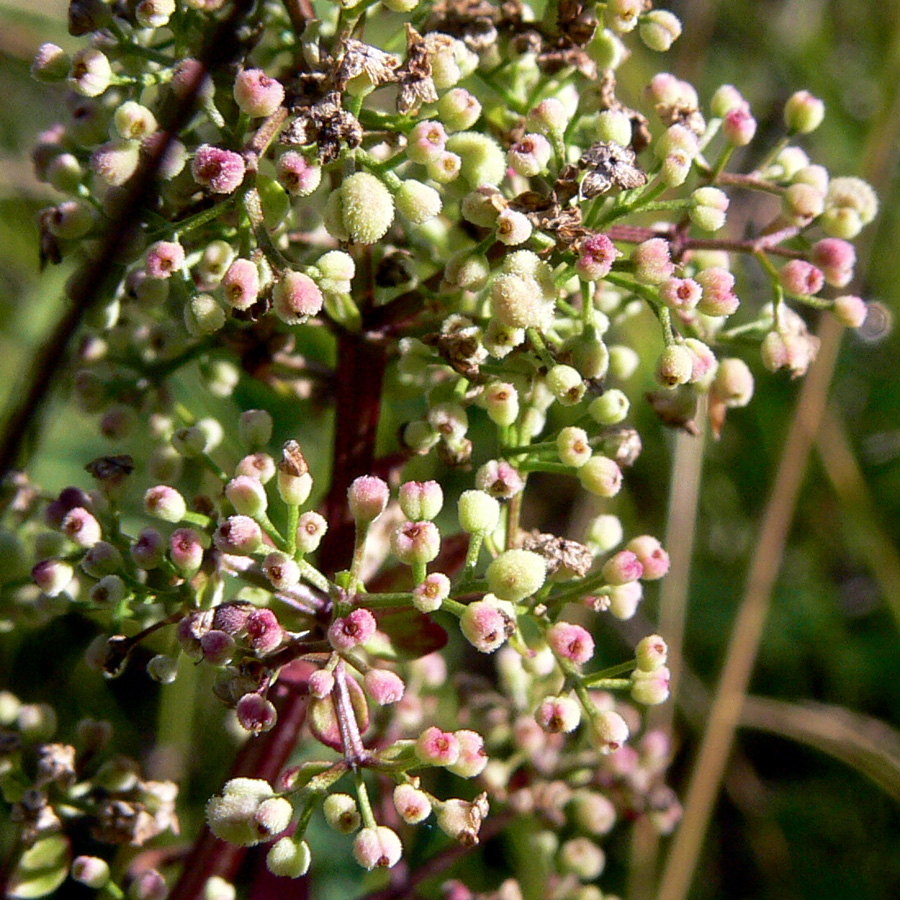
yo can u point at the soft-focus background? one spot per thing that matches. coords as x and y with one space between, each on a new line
811 800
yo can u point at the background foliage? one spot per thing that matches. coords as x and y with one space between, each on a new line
794 821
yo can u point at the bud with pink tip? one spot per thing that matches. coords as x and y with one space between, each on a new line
257 94
367 497
264 631
383 686
412 805
238 535
571 642
222 171
651 555
650 688
437 748
850 310
608 731
377 847
186 549
255 713
352 630
558 715
472 756
421 499
431 593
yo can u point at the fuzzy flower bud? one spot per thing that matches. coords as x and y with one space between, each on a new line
472 756
651 653
431 593
513 227
516 574
653 264
416 543
601 476
311 528
708 209
383 686
90 871
341 813
530 155
427 141
240 815
733 384
437 748
240 284
222 171
352 630
571 642
296 297
186 549
650 554
849 205
717 298
367 497
803 113
296 174
801 277
254 712
116 161
548 117
573 447
461 819
566 384
164 502
850 310
488 623
674 366
52 576
458 110
412 805
499 479
421 499
482 161
361 210
595 259
836 259
650 688
608 731
659 29
739 126
558 715
256 94
287 859
377 847
501 400
282 571
519 302
246 495
238 535
90 73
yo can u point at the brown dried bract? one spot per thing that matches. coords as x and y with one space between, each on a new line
359 58
325 123
609 165
292 461
564 557
416 85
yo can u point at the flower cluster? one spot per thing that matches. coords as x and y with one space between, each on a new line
451 214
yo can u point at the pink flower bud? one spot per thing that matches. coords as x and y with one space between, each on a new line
222 171
595 258
259 466
558 714
296 297
321 683
311 528
803 112
384 687
801 277
431 593
230 617
297 175
415 542
718 297
675 366
427 141
530 155
149 550
90 871
472 756
256 94
499 479
186 549
652 262
681 294
651 653
246 495
217 647
241 284
601 476
608 731
571 642
264 631
739 126
623 599
80 527
651 556
377 847
437 748
412 805
836 259
352 630
52 576
282 571
116 161
421 499
622 567
164 502
488 623
367 497
573 447
255 713
238 535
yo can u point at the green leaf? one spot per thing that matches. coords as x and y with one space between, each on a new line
41 869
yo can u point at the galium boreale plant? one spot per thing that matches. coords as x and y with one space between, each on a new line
458 202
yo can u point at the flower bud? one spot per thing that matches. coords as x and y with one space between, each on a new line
264 631
652 262
217 647
801 203
596 256
255 713
601 476
287 859
154 13
479 512
708 208
513 227
800 277
461 819
659 29
608 731
352 630
367 498
519 302
90 871
293 478
311 528
516 574
674 366
488 623
203 315
384 687
566 384
341 813
240 284
415 543
650 688
651 653
610 408
850 310
221 171
255 428
571 642
186 550
238 535
282 571
548 117
437 748
650 554
530 155
90 73
232 816
739 126
558 715
52 576
361 210
803 113
321 683
116 161
377 847
164 502
582 858
573 447
417 202
836 259
717 297
149 550
733 384
431 593
472 756
247 496
256 94
499 479
412 805
458 110
297 175
624 599
421 499
50 63
296 297
482 161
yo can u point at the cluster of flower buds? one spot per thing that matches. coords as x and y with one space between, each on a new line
451 215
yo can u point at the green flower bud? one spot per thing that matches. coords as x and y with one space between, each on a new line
516 574
566 384
361 210
609 408
417 202
479 512
482 159
287 859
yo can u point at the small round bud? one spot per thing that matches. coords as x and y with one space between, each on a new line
610 408
650 554
90 73
488 623
222 171
282 571
163 669
573 446
232 815
548 117
801 203
593 812
651 653
739 126
367 497
377 847
186 550
501 400
352 630
238 535
674 366
247 496
116 161
254 713
415 543
513 227
614 126
800 277
417 202
427 141
321 683
50 63
571 642
836 259
516 574
458 110
803 113
240 284
850 310
622 567
566 384
361 210
164 502
530 155
412 805
652 262
482 161
296 297
297 175
149 550
472 756
203 315
650 688
384 687
90 871
558 715
154 13
256 94
733 384
708 209
717 298
431 593
148 885
264 630
519 302
437 748
421 499
341 813
659 29
601 476
311 528
287 859
479 512
608 731
595 258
